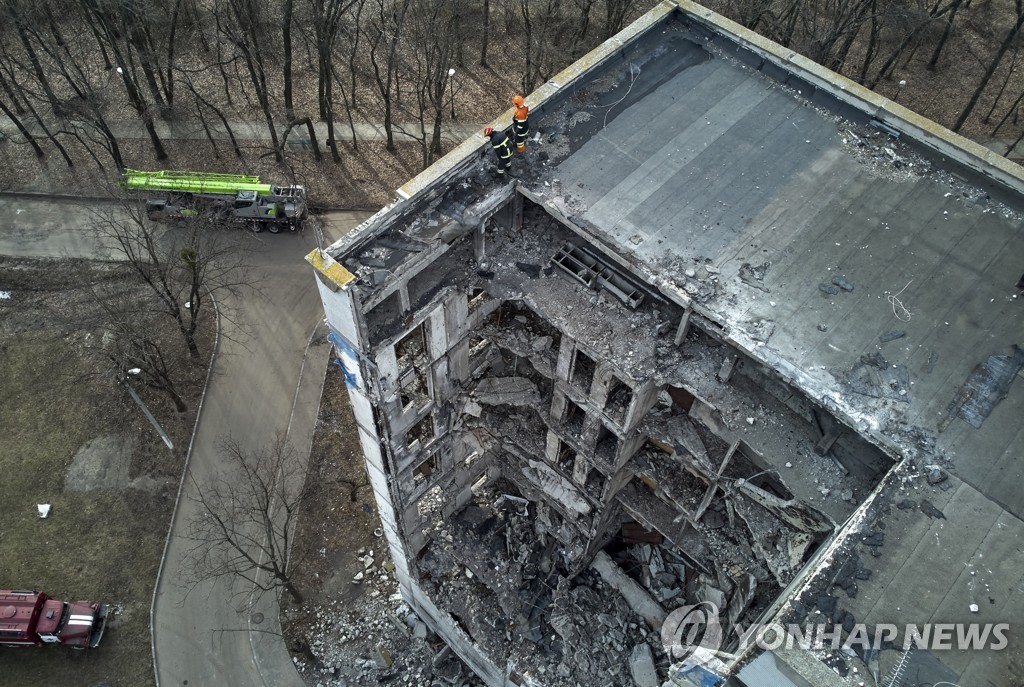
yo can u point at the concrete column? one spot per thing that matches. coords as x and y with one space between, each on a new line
684 325
479 247
517 212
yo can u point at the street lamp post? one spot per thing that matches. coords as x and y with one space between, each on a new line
903 82
451 84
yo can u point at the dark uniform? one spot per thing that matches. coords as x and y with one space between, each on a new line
502 150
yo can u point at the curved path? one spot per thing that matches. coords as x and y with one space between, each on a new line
265 380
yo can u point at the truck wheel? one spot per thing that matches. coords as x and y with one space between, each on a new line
273 227
255 227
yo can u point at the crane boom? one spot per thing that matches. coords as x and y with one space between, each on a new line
193 182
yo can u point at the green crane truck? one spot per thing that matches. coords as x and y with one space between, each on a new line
236 198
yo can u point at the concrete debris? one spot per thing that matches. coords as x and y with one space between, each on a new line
874 376
891 336
930 510
597 456
557 487
873 539
512 391
639 601
936 475
762 330
541 343
842 283
753 275
641 666
828 289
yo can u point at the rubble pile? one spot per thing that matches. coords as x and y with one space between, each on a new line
372 637
504 578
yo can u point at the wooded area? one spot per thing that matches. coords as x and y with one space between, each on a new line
69 71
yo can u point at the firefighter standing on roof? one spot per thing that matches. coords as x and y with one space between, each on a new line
520 123
502 149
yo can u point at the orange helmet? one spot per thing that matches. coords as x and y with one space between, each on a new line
518 100
488 131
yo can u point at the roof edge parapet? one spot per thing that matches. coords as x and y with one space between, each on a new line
923 130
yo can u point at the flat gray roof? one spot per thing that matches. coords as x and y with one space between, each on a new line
681 157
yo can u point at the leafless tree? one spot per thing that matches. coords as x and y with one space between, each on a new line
129 341
182 265
327 18
1004 46
435 34
118 26
245 25
246 519
615 16
385 31
485 34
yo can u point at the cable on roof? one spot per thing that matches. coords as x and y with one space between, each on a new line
634 71
898 309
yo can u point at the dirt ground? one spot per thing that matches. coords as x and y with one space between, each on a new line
79 443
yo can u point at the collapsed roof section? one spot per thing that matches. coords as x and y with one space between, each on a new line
571 397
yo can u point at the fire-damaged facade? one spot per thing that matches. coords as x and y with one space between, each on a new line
575 424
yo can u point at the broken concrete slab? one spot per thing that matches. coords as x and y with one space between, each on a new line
987 384
641 666
556 486
842 283
891 336
639 600
511 391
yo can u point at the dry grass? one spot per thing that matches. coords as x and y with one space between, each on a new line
103 544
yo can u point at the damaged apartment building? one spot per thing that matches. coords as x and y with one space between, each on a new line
595 393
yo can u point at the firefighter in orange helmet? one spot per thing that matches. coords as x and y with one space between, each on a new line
520 123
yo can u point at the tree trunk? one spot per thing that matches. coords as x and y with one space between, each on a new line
1012 110
21 128
946 34
179 404
36 67
486 33
290 587
158 146
286 32
869 54
1007 42
1002 87
169 89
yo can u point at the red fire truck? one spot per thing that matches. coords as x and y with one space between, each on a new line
34 619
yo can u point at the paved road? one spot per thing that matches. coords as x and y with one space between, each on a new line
265 380
49 229
200 639
190 130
